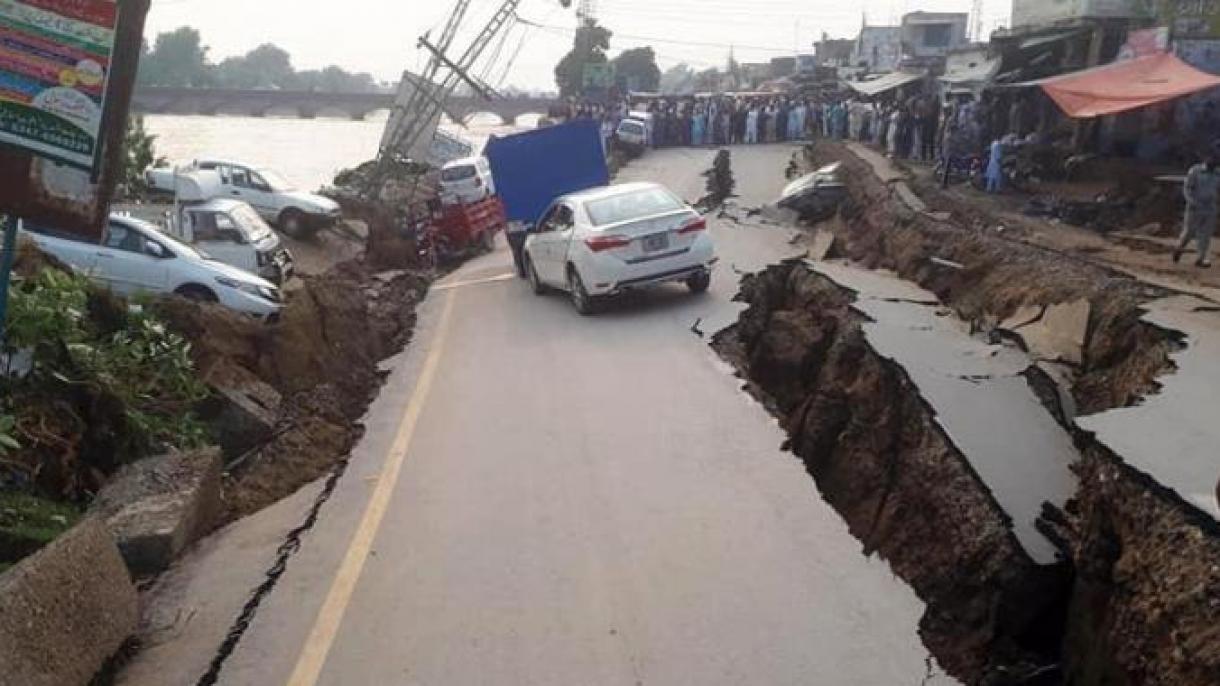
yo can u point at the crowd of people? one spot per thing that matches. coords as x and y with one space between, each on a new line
914 125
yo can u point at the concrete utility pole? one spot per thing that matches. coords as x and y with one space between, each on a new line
586 12
415 118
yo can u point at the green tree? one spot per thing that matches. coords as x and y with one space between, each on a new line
178 58
638 67
139 153
678 80
589 47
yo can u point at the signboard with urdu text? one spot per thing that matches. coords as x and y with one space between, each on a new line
54 60
67 70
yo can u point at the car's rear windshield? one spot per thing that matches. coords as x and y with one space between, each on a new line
458 173
633 205
631 127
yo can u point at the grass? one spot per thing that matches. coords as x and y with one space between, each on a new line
28 522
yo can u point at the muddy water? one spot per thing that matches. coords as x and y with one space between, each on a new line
307 151
978 393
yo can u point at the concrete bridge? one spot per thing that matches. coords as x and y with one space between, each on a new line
310 104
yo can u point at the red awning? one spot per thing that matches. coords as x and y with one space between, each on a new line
1126 85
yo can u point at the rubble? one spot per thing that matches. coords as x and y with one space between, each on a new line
243 409
65 610
321 361
1134 599
158 506
881 458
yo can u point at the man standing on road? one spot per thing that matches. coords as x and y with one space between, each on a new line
1202 189
517 234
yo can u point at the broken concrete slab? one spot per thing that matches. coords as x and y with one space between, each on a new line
882 166
156 507
1055 333
1022 317
909 198
822 245
1172 435
978 394
65 610
243 410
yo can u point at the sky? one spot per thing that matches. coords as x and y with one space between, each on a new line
379 36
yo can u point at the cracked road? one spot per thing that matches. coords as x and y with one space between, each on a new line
546 499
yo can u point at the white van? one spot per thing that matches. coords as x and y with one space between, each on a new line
467 180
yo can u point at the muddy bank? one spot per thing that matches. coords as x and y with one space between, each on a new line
879 457
1122 357
321 357
1146 596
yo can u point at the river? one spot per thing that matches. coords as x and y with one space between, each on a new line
307 151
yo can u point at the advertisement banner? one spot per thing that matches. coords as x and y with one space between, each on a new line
67 71
55 58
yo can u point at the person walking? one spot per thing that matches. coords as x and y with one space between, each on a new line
1199 224
995 167
516 233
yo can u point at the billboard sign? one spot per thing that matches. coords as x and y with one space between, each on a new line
67 69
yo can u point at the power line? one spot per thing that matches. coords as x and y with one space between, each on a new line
668 41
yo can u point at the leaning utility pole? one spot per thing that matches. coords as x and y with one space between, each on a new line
423 98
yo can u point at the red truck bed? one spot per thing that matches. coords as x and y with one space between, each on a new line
471 224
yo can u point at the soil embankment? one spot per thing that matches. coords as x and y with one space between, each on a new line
322 357
881 459
1133 600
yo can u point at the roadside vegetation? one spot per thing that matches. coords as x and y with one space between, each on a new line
90 383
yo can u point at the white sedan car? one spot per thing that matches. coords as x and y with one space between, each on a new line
608 240
135 257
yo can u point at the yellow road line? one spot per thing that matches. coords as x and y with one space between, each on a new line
313 654
475 282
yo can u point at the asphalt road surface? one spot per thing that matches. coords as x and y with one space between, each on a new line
545 499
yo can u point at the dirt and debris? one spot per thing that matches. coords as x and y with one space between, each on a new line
720 182
1122 357
1135 597
881 459
321 356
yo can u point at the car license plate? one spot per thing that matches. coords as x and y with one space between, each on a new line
655 242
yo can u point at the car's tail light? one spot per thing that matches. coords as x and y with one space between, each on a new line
478 183
694 225
600 243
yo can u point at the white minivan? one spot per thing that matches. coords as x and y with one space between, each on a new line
467 180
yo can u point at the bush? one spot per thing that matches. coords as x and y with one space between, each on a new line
106 384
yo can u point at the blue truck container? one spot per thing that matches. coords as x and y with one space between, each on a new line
533 168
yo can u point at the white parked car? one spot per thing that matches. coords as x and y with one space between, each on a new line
295 212
135 257
608 240
467 180
632 133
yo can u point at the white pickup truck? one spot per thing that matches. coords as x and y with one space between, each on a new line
295 212
135 257
225 228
